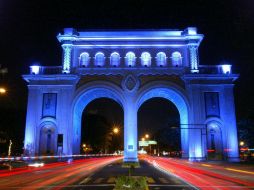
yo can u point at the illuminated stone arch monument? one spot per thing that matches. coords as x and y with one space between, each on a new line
131 67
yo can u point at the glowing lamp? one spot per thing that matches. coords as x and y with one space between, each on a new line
192 30
115 130
2 90
35 69
226 69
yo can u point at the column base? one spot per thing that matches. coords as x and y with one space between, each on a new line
194 71
233 159
128 160
197 159
65 71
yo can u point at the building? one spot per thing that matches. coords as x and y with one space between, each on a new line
131 67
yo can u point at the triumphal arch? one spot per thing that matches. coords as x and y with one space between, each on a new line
131 67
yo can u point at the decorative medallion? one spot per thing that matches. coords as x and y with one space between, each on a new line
130 83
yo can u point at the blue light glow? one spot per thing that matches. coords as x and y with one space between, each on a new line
115 59
84 59
146 59
192 30
99 59
161 59
35 69
226 69
130 59
130 87
176 59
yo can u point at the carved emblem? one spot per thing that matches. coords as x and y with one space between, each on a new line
130 83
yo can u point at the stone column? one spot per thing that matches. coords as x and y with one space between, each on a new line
130 131
228 115
30 143
193 52
66 57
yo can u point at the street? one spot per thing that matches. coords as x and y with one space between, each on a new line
206 175
100 173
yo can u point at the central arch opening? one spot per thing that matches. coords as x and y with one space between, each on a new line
159 128
102 127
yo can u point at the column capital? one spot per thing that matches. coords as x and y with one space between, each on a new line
67 46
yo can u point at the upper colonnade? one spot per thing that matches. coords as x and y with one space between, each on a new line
146 52
128 49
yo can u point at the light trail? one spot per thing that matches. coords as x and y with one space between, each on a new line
55 174
201 178
241 171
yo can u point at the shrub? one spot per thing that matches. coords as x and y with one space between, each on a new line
131 183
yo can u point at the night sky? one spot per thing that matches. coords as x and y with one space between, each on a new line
28 32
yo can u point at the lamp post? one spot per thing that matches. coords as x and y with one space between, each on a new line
150 148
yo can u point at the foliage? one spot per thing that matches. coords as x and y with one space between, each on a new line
246 131
131 183
131 166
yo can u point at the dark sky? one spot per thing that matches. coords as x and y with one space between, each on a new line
28 32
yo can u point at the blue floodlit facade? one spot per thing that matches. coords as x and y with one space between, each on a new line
132 67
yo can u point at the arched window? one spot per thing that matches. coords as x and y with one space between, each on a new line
99 59
84 59
176 59
161 59
130 59
114 59
145 59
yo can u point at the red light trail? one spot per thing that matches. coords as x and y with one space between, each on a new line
56 175
220 178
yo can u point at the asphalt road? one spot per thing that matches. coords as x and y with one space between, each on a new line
205 175
105 177
92 173
100 174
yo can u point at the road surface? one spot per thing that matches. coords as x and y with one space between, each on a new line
91 174
207 175
100 174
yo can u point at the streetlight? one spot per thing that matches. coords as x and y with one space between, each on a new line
2 90
143 139
115 130
241 143
147 136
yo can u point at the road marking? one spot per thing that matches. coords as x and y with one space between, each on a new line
111 180
207 165
150 180
85 180
241 171
163 180
98 180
